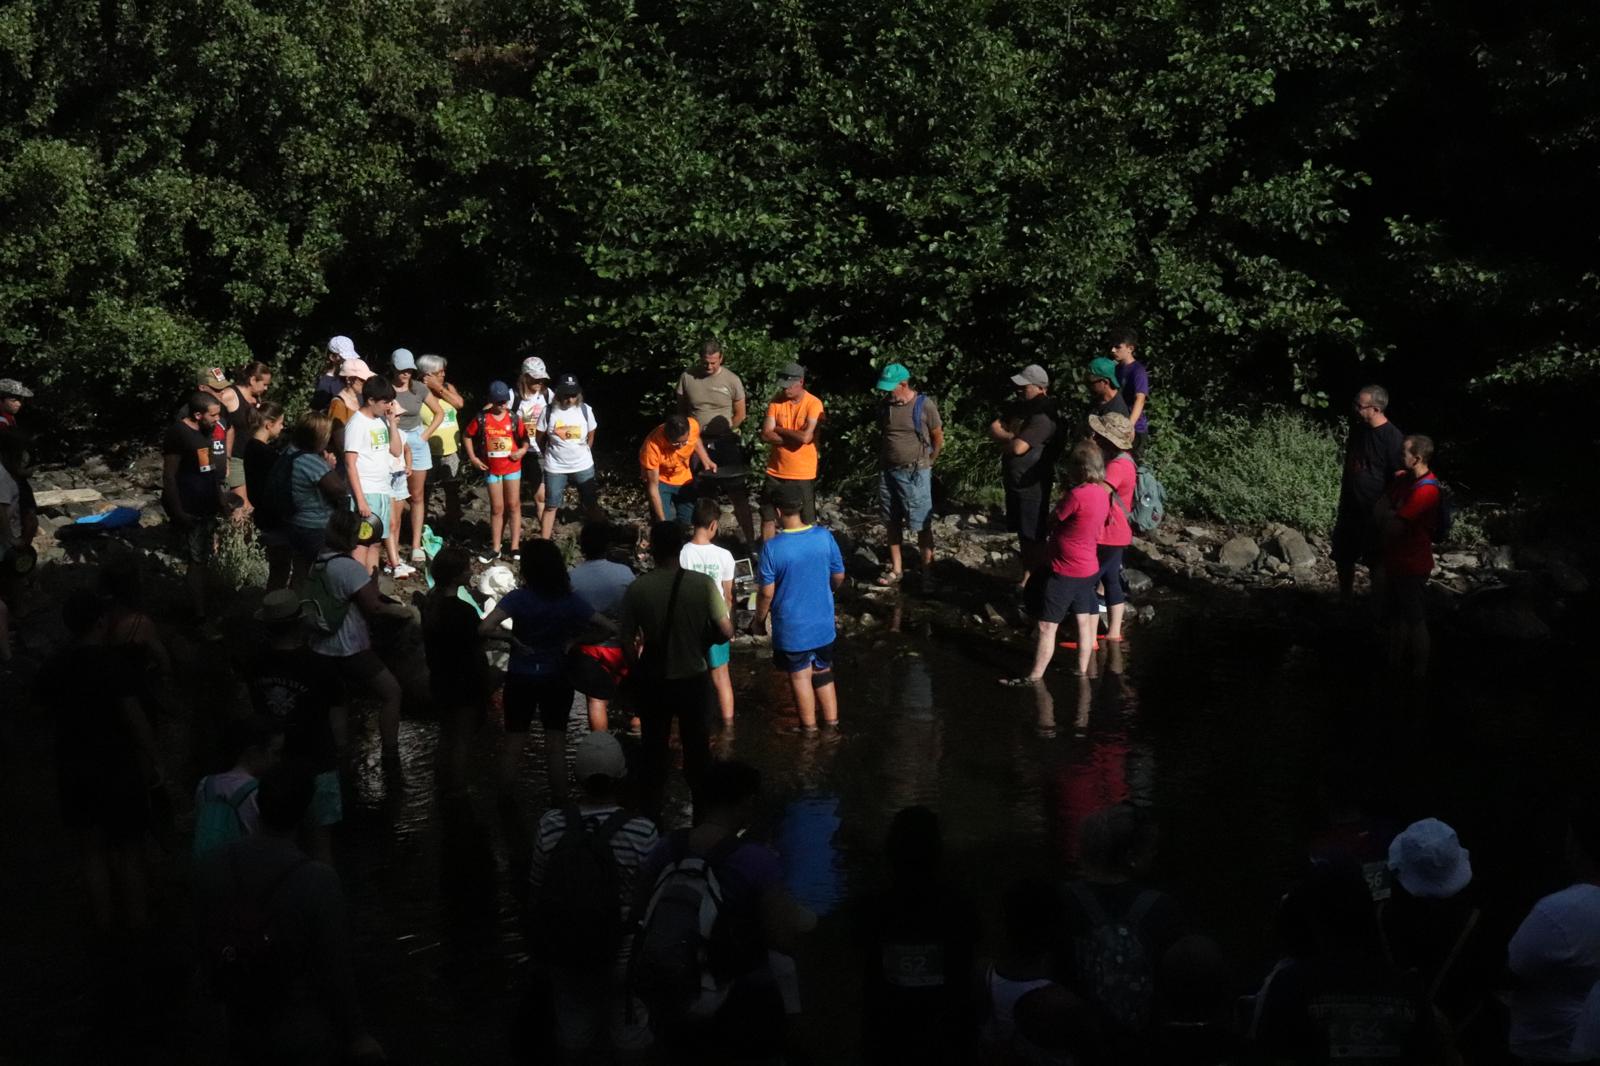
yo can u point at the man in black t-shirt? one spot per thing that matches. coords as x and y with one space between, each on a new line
1030 440
292 685
193 458
1372 457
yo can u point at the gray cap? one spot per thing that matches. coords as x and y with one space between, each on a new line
1032 374
790 374
402 359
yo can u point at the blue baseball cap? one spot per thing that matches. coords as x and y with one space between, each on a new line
499 392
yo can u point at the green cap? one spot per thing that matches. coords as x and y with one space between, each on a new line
1103 368
892 375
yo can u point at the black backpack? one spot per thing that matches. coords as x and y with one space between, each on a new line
256 951
576 918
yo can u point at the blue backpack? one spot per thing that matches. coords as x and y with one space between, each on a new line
1149 501
1445 517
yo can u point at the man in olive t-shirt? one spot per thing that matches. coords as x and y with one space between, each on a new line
676 615
714 396
913 436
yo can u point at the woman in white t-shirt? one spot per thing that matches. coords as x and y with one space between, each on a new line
566 451
702 555
533 399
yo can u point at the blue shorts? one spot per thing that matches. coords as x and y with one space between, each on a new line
719 654
421 454
555 485
677 502
379 503
495 479
327 804
1051 597
818 660
907 493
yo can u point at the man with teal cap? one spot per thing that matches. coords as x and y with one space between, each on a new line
913 436
1105 395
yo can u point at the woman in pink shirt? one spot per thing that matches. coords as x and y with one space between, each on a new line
1113 434
1074 563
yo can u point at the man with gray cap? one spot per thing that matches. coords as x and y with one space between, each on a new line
791 428
12 393
1030 440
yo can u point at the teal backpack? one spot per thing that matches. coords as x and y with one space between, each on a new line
217 822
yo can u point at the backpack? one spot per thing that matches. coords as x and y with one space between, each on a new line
217 822
254 953
279 500
576 919
1113 964
1445 516
1149 501
327 609
916 421
672 969
519 432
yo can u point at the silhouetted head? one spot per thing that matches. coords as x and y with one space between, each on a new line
256 742
1332 909
594 540
451 567
914 844
544 571
1032 914
283 797
666 543
728 793
1114 843
1195 981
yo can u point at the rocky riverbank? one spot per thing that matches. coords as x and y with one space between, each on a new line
1506 591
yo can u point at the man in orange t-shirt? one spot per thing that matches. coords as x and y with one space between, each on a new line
791 428
664 465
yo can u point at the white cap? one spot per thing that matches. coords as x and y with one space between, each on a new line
1429 861
533 367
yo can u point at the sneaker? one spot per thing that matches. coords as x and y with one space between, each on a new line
489 558
418 555
402 571
516 556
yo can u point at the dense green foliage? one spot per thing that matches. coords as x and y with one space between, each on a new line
1275 193
1279 467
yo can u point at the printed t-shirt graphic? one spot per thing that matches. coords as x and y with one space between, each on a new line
500 440
794 464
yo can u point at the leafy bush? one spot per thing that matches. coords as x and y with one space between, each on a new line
240 562
1280 466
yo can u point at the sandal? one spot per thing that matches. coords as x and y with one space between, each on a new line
1072 645
1021 682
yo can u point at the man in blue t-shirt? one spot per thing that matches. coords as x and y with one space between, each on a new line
801 566
1133 380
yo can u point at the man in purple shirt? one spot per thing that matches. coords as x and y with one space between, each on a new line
1134 380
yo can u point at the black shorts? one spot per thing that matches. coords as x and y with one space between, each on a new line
808 498
1355 534
550 697
1405 598
1027 509
1111 573
1057 596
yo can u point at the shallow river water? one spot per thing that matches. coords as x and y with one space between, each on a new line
1232 721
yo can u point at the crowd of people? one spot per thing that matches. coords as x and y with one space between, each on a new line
678 942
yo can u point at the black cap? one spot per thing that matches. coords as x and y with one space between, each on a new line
567 385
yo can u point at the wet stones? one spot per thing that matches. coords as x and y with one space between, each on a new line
1500 557
1238 553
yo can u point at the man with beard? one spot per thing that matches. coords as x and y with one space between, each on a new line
1030 440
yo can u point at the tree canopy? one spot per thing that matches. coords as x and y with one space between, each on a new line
1275 194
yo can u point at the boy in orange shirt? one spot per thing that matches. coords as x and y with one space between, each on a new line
791 428
664 465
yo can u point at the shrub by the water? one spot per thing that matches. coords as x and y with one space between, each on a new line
1280 466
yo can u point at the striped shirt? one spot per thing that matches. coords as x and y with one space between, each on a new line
629 844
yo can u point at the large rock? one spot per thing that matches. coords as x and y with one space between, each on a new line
1292 548
1238 553
1138 581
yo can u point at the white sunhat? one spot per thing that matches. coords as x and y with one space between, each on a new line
1429 861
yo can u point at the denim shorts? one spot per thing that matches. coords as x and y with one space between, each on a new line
555 484
421 457
678 502
906 492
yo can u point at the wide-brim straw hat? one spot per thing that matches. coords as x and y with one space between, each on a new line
1114 427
